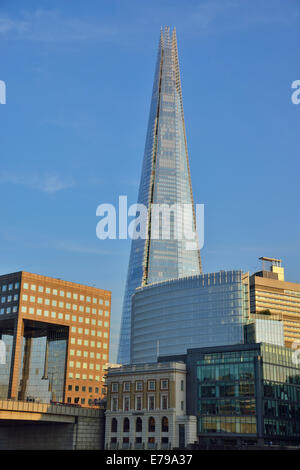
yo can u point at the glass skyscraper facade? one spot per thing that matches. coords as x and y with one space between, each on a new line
172 316
165 179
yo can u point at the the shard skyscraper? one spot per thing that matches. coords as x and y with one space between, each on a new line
165 179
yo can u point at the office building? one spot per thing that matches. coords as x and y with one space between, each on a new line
173 316
56 337
243 394
272 296
165 179
146 407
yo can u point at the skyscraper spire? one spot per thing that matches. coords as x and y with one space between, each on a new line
165 179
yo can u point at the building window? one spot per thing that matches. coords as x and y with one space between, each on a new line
114 425
151 424
138 425
182 405
126 403
126 425
126 387
138 403
164 384
114 404
182 385
139 386
151 402
114 387
164 402
151 384
164 424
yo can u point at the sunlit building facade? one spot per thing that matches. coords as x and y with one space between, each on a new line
146 407
56 339
274 297
165 179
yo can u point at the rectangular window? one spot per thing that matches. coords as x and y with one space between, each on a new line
164 384
164 402
114 387
138 403
114 404
139 386
126 387
126 404
151 384
151 402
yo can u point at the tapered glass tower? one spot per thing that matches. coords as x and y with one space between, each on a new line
165 180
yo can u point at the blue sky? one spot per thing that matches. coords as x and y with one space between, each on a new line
79 80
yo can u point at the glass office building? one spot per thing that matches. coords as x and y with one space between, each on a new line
243 393
165 179
173 316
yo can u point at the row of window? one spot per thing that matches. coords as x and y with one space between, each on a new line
79 376
9 298
85 365
9 287
139 385
139 424
62 293
86 342
55 303
86 331
164 405
83 388
92 344
9 310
